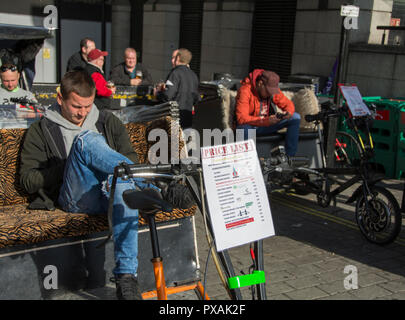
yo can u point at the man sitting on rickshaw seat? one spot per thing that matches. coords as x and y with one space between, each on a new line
67 160
257 104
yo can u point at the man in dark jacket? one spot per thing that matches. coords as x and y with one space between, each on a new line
182 86
79 59
129 72
69 157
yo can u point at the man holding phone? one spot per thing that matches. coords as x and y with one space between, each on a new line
257 104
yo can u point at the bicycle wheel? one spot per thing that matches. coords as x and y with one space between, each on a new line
379 217
348 151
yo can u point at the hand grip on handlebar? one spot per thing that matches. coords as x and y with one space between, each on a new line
313 117
298 161
293 162
323 115
126 169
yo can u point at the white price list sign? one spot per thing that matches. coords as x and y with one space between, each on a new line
354 100
237 197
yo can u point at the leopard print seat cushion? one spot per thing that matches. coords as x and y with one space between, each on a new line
18 225
10 190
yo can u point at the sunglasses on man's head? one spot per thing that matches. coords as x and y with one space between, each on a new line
5 68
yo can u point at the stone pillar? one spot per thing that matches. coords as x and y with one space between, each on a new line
226 38
373 13
161 32
318 29
120 30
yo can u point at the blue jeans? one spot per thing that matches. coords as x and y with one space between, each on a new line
291 139
88 175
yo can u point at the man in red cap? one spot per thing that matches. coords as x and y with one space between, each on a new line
257 104
94 68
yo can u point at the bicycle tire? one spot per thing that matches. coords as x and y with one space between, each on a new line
381 223
350 153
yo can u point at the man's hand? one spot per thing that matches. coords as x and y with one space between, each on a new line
135 82
161 86
287 115
284 115
273 120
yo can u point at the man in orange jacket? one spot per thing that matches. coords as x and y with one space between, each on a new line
256 108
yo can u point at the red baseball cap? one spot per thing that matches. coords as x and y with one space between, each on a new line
95 54
271 81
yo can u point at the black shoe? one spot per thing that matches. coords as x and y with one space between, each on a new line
127 287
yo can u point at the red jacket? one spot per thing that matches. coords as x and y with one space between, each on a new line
101 85
248 102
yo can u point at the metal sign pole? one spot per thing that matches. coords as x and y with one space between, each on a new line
347 12
340 61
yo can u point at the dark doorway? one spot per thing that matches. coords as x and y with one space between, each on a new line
191 30
273 36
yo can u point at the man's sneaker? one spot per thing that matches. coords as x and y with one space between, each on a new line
127 287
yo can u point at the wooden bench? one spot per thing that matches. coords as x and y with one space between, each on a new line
36 231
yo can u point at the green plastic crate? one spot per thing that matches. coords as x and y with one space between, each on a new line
400 162
371 99
385 154
387 115
402 120
386 160
388 111
386 133
386 126
384 139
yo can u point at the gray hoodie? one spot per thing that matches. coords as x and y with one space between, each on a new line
6 95
68 129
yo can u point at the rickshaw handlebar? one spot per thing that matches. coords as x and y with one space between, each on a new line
171 171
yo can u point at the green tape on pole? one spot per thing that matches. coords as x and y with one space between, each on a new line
256 277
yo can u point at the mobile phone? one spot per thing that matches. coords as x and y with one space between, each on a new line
280 115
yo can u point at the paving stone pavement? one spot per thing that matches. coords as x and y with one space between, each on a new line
307 257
